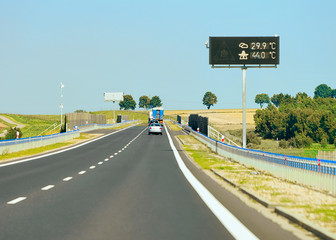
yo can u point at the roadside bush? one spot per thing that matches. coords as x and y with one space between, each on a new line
295 142
324 142
283 143
11 133
252 146
236 132
251 137
306 141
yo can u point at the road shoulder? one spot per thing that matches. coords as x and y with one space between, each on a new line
237 202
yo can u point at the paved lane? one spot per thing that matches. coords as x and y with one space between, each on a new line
126 185
137 194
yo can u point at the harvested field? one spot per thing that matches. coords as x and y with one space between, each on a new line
221 119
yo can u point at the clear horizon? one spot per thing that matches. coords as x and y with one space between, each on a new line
154 48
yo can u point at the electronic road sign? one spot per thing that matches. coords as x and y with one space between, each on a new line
244 50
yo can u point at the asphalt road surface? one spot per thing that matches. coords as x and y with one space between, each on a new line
126 185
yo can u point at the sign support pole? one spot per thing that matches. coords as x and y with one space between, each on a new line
245 52
114 112
244 106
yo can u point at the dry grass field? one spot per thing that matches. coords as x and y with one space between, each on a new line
221 119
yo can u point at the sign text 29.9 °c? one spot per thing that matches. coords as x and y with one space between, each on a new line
244 50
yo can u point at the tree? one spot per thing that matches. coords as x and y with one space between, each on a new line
262 99
209 99
323 91
155 102
276 99
333 93
11 133
127 103
80 111
144 102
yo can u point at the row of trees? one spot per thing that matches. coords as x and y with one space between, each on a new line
300 119
144 102
321 91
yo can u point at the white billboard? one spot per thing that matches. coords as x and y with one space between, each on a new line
113 96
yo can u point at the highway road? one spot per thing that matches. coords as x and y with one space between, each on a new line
125 185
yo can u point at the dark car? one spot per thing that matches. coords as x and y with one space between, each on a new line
153 121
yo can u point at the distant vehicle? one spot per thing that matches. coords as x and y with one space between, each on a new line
158 114
153 121
155 128
150 116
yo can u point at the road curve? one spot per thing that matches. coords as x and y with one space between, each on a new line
127 185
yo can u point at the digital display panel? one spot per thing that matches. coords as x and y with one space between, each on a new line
244 50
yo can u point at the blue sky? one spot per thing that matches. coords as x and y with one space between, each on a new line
155 48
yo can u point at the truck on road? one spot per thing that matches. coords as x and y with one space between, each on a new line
156 114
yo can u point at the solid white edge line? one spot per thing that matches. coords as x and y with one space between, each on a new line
16 200
46 188
64 150
229 221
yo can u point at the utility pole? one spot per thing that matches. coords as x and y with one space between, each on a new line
61 105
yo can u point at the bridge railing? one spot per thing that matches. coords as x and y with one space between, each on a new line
318 173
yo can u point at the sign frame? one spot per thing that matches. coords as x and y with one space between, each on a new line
242 51
113 96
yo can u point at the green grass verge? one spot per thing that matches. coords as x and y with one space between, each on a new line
35 124
200 153
33 151
261 183
312 152
173 126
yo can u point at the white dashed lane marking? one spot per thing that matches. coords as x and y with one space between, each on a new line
16 200
46 188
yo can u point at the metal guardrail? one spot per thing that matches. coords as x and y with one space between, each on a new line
15 145
213 133
33 139
318 173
